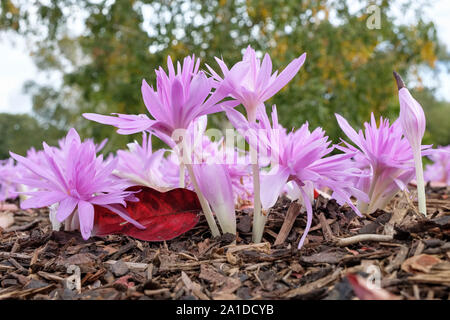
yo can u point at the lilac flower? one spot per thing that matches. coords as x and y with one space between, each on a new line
141 166
386 158
251 81
181 96
75 178
412 119
205 151
439 171
8 177
215 183
235 165
126 124
299 156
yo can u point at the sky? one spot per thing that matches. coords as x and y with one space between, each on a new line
17 67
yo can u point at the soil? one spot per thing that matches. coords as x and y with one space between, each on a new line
404 253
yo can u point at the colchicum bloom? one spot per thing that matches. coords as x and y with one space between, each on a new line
299 156
76 179
8 178
439 171
140 166
215 183
251 82
386 158
412 119
222 175
181 96
216 152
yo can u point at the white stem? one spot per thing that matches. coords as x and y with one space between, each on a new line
226 225
420 182
259 220
362 206
182 183
205 206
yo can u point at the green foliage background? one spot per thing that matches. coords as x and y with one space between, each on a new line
348 68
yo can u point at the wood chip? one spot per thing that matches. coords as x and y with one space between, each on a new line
303 290
422 263
343 242
398 260
195 288
326 230
291 215
131 265
156 292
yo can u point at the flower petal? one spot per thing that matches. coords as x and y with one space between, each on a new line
66 208
215 184
284 77
272 185
86 216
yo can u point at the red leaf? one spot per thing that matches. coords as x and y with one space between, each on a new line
165 215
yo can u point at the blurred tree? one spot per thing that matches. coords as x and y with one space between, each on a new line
105 48
438 118
19 132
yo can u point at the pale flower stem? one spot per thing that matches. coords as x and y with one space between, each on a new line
205 206
420 182
258 218
182 183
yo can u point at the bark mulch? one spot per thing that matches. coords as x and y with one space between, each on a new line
407 254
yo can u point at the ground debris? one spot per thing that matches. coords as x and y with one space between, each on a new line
407 253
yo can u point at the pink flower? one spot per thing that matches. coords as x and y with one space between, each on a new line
386 157
299 156
215 152
181 96
412 117
251 81
75 178
215 183
140 166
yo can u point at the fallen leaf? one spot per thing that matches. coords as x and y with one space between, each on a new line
420 263
165 215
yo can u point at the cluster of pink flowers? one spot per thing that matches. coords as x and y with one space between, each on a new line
225 177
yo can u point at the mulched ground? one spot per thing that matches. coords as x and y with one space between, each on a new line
411 258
